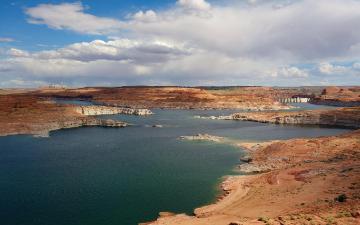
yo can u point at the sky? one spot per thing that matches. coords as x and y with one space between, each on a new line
179 42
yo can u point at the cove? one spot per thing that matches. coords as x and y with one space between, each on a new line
109 176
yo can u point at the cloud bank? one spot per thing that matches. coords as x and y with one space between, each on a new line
197 43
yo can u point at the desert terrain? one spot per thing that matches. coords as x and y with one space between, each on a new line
339 96
27 114
296 181
247 98
341 117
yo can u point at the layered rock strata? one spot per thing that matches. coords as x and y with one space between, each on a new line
344 117
42 130
108 110
245 98
339 96
26 114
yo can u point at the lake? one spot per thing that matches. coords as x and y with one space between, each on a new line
119 176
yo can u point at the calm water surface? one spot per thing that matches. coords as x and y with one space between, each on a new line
110 176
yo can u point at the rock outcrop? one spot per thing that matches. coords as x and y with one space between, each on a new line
244 98
108 110
202 137
26 114
339 96
343 117
298 181
42 130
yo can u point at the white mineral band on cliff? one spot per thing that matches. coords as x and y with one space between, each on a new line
109 110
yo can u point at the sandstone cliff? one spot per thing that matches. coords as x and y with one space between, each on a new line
108 110
26 114
246 98
343 117
42 130
339 96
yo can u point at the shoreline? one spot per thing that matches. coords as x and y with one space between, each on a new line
240 202
139 107
283 173
340 117
44 130
38 117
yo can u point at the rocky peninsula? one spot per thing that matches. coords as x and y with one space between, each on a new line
338 96
108 110
27 114
298 181
43 130
341 117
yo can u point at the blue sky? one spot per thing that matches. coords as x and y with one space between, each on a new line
179 42
29 37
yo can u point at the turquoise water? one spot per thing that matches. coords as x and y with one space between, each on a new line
111 176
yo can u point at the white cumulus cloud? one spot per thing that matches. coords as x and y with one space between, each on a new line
194 4
195 42
147 16
71 16
328 68
290 72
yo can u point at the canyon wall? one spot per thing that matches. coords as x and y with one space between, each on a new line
26 114
339 96
108 110
344 117
42 130
245 98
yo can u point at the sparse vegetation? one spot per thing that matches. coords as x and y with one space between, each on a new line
330 220
343 214
264 219
341 198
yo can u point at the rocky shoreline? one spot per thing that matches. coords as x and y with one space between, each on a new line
296 181
24 114
335 102
280 175
338 96
242 98
342 117
287 173
44 129
109 110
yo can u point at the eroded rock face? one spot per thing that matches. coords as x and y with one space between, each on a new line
24 114
344 117
42 130
339 96
245 98
297 181
108 110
